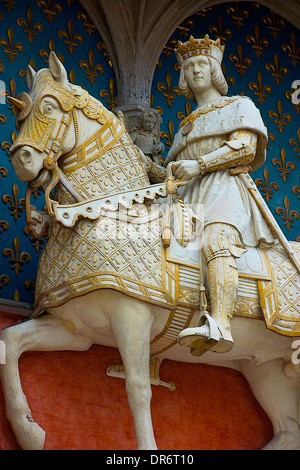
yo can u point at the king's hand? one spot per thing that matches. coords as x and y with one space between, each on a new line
186 169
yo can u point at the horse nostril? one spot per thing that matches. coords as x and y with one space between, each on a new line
25 155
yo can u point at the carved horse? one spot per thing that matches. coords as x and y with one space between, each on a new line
95 288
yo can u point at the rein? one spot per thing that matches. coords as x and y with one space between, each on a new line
50 162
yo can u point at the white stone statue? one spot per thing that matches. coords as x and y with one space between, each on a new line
119 270
221 139
147 136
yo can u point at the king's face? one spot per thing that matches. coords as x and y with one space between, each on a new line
197 73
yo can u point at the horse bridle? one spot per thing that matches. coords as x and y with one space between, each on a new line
53 153
50 163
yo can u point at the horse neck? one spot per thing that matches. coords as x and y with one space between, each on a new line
105 161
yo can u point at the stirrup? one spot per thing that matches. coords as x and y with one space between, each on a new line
202 338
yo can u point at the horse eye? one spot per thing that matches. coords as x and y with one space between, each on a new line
48 107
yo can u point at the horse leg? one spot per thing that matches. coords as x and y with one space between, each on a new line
131 326
42 334
278 396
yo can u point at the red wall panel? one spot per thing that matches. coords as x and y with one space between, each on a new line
80 407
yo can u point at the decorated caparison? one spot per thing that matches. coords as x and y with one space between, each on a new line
151 268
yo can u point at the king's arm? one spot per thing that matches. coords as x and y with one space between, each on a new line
238 150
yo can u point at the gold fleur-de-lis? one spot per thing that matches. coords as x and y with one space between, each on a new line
4 281
3 225
293 142
267 189
158 108
30 285
9 4
91 69
271 138
16 295
111 97
11 48
219 31
277 72
44 53
188 109
30 27
240 62
258 43
202 13
49 8
3 171
289 95
287 216
292 50
102 47
283 166
261 91
279 117
17 259
70 38
87 22
5 145
37 243
275 23
15 206
169 137
169 47
295 190
12 87
23 72
185 26
168 91
72 76
237 14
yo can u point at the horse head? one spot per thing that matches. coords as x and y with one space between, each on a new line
46 122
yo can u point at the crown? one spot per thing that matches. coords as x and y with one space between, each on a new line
201 46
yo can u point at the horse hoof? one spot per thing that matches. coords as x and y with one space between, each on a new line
284 440
31 436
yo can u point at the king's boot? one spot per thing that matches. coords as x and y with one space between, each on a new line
215 333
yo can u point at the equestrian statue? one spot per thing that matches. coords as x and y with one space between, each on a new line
183 262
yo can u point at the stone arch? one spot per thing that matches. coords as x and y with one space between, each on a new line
136 31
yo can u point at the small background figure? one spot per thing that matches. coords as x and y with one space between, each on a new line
147 136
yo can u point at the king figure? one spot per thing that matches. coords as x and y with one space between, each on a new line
222 138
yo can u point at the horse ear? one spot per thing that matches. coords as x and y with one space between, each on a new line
30 74
57 69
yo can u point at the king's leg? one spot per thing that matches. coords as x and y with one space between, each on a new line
222 284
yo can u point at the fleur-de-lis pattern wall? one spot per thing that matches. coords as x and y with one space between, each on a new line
261 60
